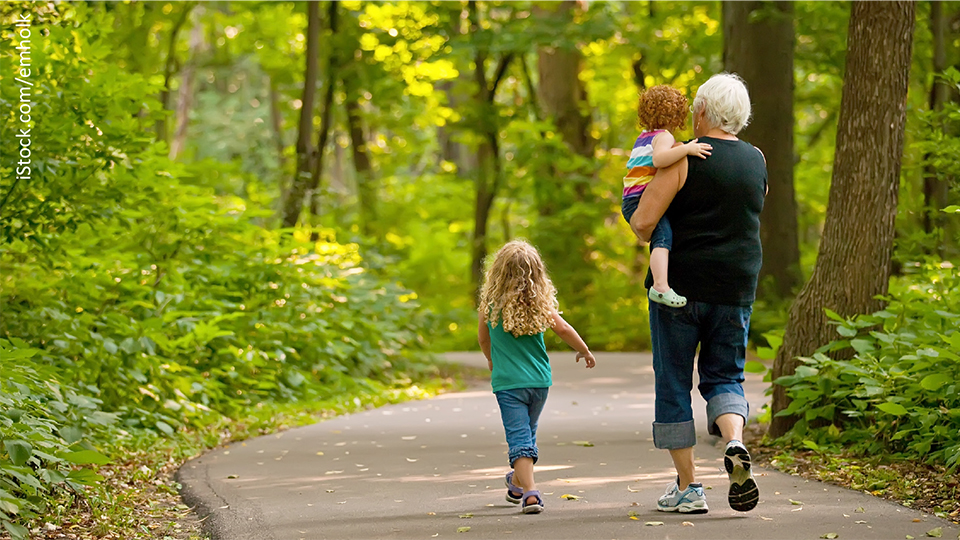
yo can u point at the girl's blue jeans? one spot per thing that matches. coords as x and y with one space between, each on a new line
520 411
721 333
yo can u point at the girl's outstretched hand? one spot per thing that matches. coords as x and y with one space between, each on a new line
588 358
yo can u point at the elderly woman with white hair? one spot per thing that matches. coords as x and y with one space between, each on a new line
714 206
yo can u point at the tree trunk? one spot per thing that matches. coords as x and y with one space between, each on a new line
562 98
936 189
293 202
489 174
185 93
333 74
366 192
276 121
758 46
170 66
853 265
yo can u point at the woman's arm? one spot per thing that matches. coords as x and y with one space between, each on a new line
666 152
570 336
657 196
483 336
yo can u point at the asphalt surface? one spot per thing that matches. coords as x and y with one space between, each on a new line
426 469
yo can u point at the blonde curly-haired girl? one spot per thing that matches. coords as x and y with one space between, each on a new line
517 304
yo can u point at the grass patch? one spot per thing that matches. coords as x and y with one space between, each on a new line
138 498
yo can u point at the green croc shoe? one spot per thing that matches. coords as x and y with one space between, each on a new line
669 298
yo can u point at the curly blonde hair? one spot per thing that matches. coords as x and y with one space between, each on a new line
662 107
517 291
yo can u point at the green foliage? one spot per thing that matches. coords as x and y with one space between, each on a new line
891 382
46 428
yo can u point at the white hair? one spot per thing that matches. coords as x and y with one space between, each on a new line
726 102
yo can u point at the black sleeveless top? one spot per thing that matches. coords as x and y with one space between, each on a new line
715 217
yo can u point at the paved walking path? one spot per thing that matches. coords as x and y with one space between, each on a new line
424 469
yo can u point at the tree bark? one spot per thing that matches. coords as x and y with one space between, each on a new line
562 98
489 174
936 189
853 265
276 121
169 67
293 201
333 74
366 193
758 46
185 93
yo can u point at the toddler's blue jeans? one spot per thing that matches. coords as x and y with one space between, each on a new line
662 236
520 411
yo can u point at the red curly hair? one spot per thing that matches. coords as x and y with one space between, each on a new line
662 107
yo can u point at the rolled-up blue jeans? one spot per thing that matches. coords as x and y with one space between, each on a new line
520 410
662 236
721 333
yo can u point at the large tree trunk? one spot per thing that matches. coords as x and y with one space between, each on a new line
853 265
185 93
293 201
935 188
758 46
562 98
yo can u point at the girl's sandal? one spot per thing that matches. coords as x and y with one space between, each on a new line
669 298
514 493
532 508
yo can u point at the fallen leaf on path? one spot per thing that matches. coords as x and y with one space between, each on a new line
411 460
330 490
333 472
462 529
830 535
653 523
224 507
860 510
688 524
431 513
569 497
766 518
909 537
859 522
319 453
631 490
635 518
434 535
634 504
409 437
342 502
797 509
583 443
491 504
796 503
232 476
466 516
917 520
633 514
935 533
846 515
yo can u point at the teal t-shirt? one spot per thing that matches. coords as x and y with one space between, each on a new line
518 362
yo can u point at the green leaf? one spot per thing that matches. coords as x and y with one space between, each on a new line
952 209
766 353
71 434
846 331
18 532
892 408
830 536
86 457
833 315
20 451
84 477
935 381
754 367
164 427
935 533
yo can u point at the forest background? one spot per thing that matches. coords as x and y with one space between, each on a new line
233 207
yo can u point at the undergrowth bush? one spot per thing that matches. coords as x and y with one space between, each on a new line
899 393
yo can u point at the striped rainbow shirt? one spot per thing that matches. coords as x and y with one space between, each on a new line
640 169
